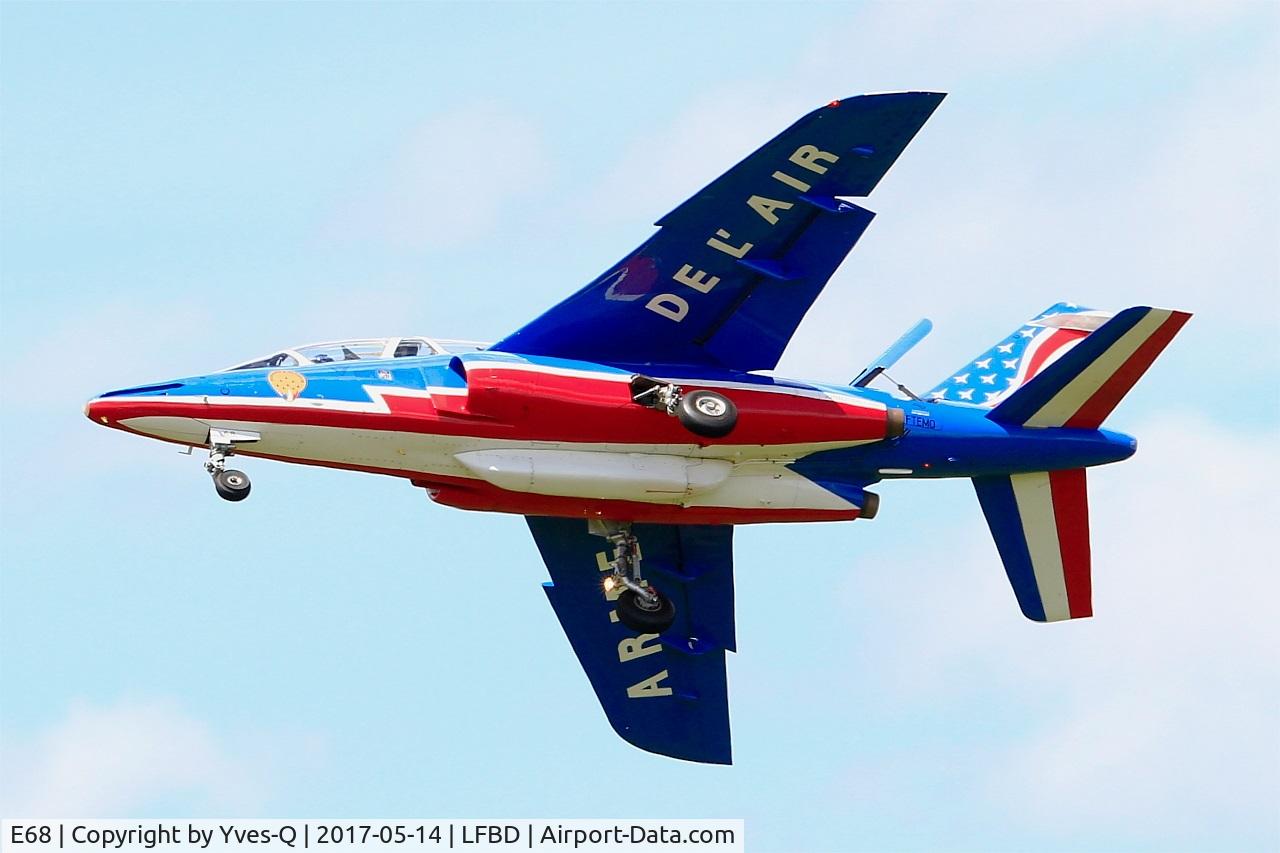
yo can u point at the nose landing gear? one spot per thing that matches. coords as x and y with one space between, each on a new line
230 484
640 606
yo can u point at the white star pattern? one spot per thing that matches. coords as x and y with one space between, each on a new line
1000 367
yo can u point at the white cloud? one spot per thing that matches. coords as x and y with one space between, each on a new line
1156 717
882 47
120 760
896 46
91 348
658 169
1120 199
449 181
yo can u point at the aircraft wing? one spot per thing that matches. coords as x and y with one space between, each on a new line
731 272
665 694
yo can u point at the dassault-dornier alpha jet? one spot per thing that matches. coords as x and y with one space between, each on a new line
636 422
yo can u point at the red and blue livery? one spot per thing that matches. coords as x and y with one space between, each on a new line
638 421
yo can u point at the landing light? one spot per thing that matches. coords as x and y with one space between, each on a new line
609 584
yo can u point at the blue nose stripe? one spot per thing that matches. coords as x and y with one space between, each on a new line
142 389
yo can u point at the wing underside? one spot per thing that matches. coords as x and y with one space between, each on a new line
732 271
666 694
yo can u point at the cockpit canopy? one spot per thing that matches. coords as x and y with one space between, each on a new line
360 349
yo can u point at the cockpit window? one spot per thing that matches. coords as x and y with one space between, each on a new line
342 351
409 347
280 359
456 347
361 349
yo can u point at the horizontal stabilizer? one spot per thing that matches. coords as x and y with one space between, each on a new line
665 694
1040 522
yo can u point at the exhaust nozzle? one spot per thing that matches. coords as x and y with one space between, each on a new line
895 422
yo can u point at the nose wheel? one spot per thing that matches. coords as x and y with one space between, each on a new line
230 484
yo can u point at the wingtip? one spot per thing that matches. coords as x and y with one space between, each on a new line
703 753
935 96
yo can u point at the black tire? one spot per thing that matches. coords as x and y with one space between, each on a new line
231 485
707 413
639 616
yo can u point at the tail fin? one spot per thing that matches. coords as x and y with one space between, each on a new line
1081 385
1018 358
1040 522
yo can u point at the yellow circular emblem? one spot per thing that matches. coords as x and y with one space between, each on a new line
287 383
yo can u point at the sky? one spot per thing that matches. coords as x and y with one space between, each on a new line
184 186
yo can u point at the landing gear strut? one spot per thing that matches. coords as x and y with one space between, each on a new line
640 607
704 413
230 484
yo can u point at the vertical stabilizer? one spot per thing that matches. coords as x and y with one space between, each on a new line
1017 358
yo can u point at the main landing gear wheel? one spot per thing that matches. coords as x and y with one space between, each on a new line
639 606
707 413
231 485
648 614
703 413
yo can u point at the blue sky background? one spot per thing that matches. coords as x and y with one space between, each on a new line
183 186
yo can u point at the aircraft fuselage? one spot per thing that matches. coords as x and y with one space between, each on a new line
539 436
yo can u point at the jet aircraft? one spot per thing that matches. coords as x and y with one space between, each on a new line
638 421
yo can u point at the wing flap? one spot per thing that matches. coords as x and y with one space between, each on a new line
665 694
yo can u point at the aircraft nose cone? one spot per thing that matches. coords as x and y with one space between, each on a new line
109 407
93 411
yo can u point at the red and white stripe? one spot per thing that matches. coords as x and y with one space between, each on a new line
1054 510
1086 400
